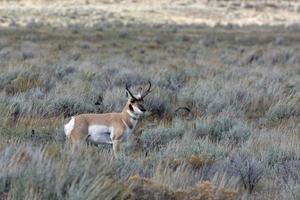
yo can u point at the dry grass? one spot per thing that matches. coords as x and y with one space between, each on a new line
237 139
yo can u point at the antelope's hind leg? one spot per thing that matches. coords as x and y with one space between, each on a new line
78 136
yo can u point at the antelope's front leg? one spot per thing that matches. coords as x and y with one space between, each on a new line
116 148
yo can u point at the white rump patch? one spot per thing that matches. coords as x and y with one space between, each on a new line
69 127
100 134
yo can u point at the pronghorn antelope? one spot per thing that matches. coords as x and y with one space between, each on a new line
109 128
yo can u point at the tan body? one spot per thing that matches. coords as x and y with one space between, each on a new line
109 128
84 121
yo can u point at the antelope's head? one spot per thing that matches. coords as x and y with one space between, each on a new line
136 103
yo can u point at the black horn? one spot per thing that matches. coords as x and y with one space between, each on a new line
130 93
147 92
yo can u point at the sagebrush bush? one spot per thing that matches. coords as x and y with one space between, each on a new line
249 170
6 78
29 175
160 136
223 128
115 99
200 95
296 191
127 166
61 71
65 175
21 105
130 78
148 189
284 110
70 106
190 146
22 83
158 102
276 157
173 80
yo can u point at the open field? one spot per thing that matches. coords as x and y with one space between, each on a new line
240 139
93 13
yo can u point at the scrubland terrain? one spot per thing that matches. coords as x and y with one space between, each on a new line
224 113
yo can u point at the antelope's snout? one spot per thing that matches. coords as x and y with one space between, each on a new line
142 108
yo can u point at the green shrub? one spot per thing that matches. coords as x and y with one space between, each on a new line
284 110
172 80
34 172
190 146
70 106
6 78
160 136
157 102
200 96
115 99
223 128
275 157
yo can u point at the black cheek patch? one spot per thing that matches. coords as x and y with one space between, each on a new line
130 107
